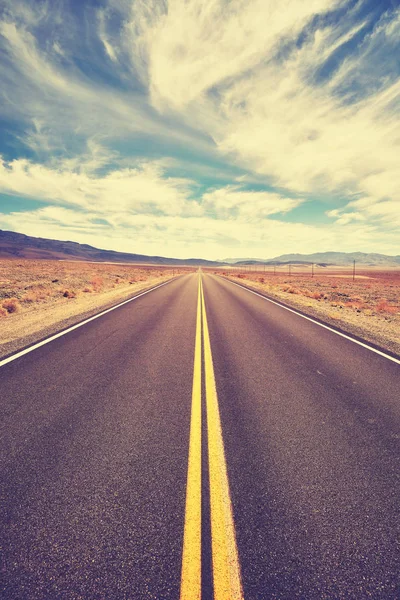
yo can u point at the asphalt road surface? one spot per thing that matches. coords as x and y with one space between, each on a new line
200 442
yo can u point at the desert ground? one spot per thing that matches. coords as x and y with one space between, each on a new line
368 307
39 297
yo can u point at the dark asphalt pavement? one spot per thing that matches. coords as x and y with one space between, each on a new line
95 450
311 426
95 439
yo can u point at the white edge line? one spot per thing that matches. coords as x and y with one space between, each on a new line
347 337
65 331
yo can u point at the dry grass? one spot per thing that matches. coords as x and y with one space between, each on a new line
369 306
10 305
378 292
383 306
38 297
27 285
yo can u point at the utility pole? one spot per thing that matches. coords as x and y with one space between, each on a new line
289 269
274 269
354 269
312 270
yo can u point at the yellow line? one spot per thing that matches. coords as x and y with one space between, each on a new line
226 568
191 559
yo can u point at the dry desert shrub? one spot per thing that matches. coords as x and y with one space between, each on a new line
34 283
307 293
356 305
290 289
384 306
3 312
317 295
356 302
36 295
11 305
97 283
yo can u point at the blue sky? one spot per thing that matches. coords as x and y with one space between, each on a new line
214 129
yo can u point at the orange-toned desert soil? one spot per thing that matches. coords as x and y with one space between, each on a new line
38 297
368 307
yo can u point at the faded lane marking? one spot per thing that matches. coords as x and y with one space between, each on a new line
191 558
225 560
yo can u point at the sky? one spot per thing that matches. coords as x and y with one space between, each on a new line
202 128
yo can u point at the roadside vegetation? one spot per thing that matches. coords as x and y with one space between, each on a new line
28 285
38 297
369 306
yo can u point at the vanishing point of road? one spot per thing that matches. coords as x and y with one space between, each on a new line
200 442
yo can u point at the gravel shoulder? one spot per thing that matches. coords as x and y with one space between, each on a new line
380 330
23 329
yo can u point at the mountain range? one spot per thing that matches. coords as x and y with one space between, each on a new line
341 259
18 245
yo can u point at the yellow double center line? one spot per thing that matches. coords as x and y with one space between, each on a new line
225 562
191 559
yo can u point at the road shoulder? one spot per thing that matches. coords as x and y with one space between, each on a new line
379 334
22 330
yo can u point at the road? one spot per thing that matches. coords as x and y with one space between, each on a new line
200 442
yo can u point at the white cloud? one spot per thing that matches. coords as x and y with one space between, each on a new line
143 210
142 189
29 13
233 202
47 87
202 236
383 212
301 136
277 121
228 79
192 46
108 46
217 65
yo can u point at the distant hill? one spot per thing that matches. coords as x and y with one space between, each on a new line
330 258
231 261
17 245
